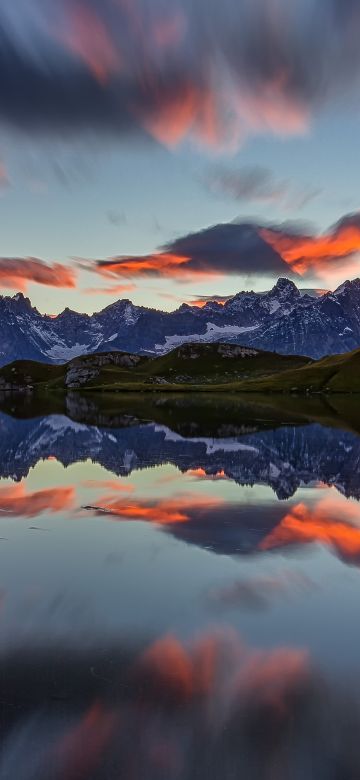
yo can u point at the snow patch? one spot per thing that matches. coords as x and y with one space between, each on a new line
212 334
64 353
212 445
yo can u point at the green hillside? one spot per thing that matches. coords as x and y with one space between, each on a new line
188 365
191 367
335 374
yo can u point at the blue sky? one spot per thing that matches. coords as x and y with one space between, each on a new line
77 188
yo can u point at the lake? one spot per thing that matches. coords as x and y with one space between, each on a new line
179 591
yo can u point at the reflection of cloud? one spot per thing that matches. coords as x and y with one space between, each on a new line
201 474
206 708
259 592
330 522
15 500
219 666
80 751
159 511
109 484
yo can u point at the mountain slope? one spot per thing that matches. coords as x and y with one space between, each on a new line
335 374
188 365
282 320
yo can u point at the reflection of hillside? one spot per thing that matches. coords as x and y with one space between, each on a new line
189 414
284 458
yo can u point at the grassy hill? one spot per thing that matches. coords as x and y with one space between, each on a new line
188 365
191 367
335 374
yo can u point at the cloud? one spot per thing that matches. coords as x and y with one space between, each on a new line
246 248
255 184
247 184
4 176
207 71
230 248
118 289
319 255
117 218
17 272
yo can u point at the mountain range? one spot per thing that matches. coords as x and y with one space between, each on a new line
284 458
284 320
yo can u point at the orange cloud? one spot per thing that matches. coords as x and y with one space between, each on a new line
16 273
162 263
330 522
14 500
200 302
168 32
89 38
306 254
4 176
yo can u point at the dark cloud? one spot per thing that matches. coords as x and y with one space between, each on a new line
229 248
246 248
175 69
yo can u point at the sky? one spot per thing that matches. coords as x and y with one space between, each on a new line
172 151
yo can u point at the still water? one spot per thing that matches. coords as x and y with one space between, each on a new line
179 601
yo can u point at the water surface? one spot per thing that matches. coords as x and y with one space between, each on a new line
179 595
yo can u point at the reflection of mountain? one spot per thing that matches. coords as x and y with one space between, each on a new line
284 458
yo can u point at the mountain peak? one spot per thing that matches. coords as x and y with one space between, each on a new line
285 286
20 301
348 285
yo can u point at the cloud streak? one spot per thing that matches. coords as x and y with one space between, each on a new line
255 184
17 272
178 69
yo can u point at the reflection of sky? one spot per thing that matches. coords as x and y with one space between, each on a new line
75 576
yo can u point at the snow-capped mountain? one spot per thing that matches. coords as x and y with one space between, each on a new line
283 320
